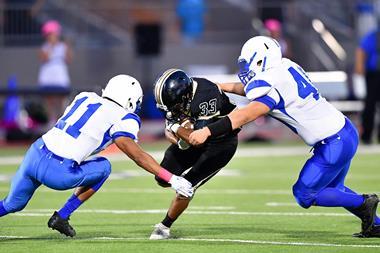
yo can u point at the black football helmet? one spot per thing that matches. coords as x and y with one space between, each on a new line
173 92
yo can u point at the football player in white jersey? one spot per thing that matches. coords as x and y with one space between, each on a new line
280 88
63 158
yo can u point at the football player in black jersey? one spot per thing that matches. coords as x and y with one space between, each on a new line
201 102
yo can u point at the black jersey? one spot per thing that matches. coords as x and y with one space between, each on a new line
209 103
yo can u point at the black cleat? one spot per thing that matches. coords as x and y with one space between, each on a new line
372 233
367 212
61 225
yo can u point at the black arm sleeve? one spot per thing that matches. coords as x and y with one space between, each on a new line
220 127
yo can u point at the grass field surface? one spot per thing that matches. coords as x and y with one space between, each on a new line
248 207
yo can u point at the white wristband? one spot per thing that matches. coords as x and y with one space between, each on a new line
175 127
183 145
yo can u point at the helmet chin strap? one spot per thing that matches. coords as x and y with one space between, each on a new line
113 101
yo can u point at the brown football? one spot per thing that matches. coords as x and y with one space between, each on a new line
187 124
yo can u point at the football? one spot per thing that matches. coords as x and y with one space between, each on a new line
187 124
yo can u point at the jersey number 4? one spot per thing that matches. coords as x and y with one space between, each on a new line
305 88
74 129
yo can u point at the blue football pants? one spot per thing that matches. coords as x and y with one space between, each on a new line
40 167
328 167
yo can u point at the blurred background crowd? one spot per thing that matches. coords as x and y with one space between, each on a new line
52 49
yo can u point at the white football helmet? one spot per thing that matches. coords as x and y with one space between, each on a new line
257 55
126 91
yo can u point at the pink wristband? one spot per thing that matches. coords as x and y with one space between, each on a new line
164 174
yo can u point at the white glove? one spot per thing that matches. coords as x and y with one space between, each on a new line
181 186
172 126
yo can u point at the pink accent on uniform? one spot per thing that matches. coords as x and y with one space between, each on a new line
51 26
272 25
165 175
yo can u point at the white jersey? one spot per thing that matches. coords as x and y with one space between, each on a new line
54 71
293 100
89 125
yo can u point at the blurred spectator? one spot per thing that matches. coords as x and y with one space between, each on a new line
53 76
366 18
368 64
191 14
19 20
274 29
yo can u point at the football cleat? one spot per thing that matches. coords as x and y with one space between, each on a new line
61 225
160 232
372 233
367 212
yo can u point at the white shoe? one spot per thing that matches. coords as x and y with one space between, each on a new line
160 232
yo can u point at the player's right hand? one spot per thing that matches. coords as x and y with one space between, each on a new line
199 136
181 186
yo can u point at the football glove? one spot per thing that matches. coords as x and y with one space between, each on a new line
181 186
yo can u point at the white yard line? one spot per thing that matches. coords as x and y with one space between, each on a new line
280 243
281 204
212 240
272 151
48 212
168 191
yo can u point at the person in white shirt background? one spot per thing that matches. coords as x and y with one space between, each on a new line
53 76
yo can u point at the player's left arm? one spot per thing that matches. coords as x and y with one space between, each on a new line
236 88
246 114
233 121
360 58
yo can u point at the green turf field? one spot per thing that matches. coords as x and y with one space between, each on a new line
248 208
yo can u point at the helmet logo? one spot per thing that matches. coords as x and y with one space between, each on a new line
246 74
264 63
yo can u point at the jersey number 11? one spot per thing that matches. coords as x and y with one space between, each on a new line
74 129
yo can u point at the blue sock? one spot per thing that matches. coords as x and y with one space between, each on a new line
71 205
332 197
377 219
2 209
73 202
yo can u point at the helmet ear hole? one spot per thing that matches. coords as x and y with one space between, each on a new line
130 104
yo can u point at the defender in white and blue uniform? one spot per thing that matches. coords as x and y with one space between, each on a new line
89 125
293 100
280 88
64 157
